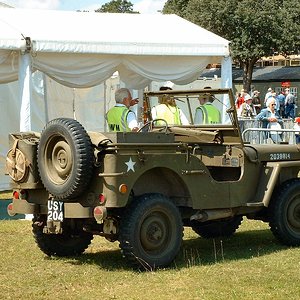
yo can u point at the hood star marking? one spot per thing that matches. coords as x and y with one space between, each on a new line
130 165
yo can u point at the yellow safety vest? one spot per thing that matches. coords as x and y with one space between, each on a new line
211 114
117 119
169 113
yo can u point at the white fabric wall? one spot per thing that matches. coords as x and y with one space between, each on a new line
86 105
9 115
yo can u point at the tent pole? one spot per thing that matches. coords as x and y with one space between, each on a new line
104 104
25 91
226 72
25 94
226 82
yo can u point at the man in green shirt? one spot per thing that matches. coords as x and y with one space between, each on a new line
120 117
206 113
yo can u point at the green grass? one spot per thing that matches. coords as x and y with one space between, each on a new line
250 265
4 195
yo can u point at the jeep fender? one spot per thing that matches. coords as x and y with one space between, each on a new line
279 173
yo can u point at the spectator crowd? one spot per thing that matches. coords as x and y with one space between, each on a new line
250 104
270 110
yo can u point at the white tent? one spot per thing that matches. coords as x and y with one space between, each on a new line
81 50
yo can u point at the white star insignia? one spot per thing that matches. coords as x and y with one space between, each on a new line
130 165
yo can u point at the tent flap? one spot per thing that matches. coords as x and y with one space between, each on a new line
79 70
9 66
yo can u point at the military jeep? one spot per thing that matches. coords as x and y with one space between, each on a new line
142 188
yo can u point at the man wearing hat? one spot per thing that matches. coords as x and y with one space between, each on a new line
168 110
268 95
256 102
206 113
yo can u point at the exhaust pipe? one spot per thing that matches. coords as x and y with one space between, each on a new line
212 214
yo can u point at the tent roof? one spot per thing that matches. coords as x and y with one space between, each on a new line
85 32
81 49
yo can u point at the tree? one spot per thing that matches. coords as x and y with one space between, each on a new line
175 7
254 28
117 6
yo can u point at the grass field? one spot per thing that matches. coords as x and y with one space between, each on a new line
250 265
5 195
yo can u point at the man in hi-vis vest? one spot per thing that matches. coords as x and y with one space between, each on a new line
120 117
206 113
168 110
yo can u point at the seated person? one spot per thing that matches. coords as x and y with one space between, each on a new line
168 111
206 113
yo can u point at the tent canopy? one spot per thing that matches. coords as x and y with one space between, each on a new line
82 49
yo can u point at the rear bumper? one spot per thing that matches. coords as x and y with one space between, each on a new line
71 210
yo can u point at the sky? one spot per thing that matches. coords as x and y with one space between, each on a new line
143 6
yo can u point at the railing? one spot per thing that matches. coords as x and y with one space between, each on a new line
253 133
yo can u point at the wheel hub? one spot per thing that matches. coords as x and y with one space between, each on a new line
62 159
61 162
154 233
294 214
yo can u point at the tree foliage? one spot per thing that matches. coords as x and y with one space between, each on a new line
254 28
117 6
175 7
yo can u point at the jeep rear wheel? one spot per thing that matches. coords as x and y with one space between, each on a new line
214 229
65 158
284 213
73 240
151 232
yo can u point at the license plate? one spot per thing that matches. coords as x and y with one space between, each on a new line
55 211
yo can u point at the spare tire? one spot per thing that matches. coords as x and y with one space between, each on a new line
65 158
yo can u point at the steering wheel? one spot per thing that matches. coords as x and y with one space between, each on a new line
150 124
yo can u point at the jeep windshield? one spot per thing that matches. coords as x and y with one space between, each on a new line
183 112
192 107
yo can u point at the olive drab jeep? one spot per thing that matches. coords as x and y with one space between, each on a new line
142 188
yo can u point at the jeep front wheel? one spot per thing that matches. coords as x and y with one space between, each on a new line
151 232
284 213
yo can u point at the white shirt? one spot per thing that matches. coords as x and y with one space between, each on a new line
274 125
297 127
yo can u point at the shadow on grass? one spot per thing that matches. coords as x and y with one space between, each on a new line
108 259
198 251
242 245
